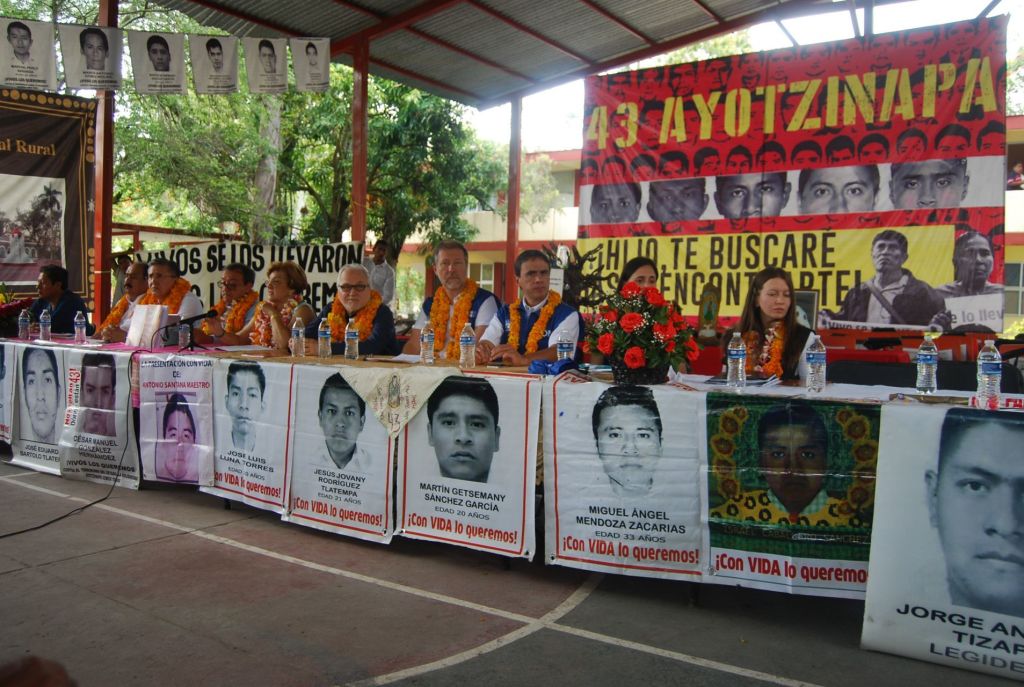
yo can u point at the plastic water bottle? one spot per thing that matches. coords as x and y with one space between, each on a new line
323 339
565 347
80 327
467 347
184 336
24 322
44 325
298 340
736 362
927 364
990 374
816 365
427 344
351 340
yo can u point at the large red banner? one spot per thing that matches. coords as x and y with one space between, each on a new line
870 168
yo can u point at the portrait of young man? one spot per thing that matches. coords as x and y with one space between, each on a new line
98 394
462 426
41 389
976 505
627 428
244 401
341 415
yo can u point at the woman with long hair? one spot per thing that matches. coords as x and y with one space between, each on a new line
272 323
775 341
641 270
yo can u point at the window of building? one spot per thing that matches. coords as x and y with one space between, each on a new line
1014 293
482 274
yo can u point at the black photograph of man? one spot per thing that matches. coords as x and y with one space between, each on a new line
462 426
976 505
341 414
41 390
98 394
627 428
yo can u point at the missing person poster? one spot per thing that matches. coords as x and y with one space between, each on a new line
40 403
158 62
947 579
311 60
621 478
463 480
8 365
790 493
176 418
92 56
28 60
214 63
266 64
251 411
342 458
98 440
757 157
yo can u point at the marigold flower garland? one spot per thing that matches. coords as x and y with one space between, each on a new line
262 333
173 298
439 318
236 318
116 314
364 318
767 360
538 328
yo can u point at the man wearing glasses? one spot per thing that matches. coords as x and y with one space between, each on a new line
166 287
355 300
236 306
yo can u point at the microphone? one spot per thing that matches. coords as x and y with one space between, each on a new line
212 312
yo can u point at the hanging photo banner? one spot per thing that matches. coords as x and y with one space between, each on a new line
158 62
251 402
790 493
266 64
97 442
176 418
40 401
947 583
463 481
341 479
92 56
719 168
621 478
311 61
202 264
8 367
214 63
29 59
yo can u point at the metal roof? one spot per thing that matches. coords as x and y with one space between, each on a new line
484 52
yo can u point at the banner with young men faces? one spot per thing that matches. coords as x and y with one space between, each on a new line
461 479
92 56
252 414
28 60
158 62
790 493
39 399
266 64
621 479
311 59
8 367
97 442
176 418
342 458
822 159
947 581
214 63
202 264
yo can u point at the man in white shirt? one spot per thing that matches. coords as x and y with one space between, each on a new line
382 275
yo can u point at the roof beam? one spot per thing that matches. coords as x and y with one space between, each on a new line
237 14
708 11
391 24
530 32
791 9
782 27
473 56
615 19
988 8
853 19
439 85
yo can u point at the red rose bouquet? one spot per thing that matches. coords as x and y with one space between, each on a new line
643 330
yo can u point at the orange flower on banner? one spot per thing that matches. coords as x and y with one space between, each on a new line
634 357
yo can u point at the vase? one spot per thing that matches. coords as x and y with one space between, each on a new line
624 374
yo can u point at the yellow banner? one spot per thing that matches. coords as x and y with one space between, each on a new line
830 262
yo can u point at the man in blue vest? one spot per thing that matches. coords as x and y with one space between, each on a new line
534 323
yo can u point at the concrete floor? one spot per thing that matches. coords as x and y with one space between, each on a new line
167 587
